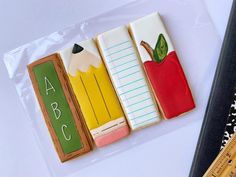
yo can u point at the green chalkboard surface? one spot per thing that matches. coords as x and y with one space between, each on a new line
57 107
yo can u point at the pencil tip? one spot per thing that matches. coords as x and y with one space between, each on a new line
77 48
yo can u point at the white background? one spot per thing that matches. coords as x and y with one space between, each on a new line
25 20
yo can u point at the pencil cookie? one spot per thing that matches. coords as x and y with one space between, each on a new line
129 80
59 107
162 66
94 91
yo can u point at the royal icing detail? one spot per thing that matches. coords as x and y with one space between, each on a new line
128 78
162 66
63 121
95 94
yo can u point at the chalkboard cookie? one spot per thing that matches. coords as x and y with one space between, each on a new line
162 66
94 91
59 107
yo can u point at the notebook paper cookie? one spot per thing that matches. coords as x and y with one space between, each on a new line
162 66
94 91
59 107
128 77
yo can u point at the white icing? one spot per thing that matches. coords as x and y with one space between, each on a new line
56 110
82 60
148 29
66 56
64 134
48 85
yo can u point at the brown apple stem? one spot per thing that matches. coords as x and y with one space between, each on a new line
148 48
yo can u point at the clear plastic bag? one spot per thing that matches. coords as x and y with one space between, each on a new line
193 36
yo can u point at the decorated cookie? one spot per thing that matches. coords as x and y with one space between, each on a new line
128 78
59 107
162 66
94 91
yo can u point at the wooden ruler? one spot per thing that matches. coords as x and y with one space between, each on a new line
225 163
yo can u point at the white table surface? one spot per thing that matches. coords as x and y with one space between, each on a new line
26 20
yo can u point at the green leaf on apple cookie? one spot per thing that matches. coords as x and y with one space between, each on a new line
161 49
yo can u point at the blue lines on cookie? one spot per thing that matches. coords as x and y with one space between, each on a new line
123 63
133 89
121 50
117 45
119 58
130 83
137 95
143 115
141 101
140 109
125 69
129 75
